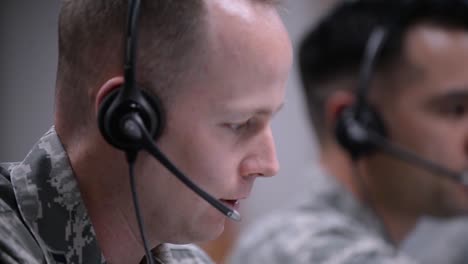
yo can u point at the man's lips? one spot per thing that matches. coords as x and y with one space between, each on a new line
234 204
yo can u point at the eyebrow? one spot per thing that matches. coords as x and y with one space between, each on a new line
454 93
260 111
459 94
265 111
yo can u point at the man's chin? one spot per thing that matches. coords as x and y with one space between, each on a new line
211 229
201 231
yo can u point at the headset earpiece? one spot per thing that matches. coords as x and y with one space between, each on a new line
351 130
116 106
354 123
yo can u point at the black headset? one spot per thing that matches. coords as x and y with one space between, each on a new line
126 104
130 99
355 121
359 128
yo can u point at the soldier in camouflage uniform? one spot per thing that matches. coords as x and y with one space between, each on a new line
360 211
219 68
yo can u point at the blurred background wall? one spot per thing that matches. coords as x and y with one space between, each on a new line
28 56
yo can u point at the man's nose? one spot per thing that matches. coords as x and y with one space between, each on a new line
262 161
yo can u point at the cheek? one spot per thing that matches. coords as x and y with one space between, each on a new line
204 156
432 138
152 177
416 130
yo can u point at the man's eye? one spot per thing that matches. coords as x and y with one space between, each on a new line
457 110
239 126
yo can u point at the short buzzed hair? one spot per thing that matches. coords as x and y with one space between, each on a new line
91 43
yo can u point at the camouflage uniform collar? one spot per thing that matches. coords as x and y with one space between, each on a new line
47 192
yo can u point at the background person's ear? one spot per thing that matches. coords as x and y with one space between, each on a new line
334 106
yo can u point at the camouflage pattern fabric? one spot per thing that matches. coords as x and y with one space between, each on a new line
330 228
43 218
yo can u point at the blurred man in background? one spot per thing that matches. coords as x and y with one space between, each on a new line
372 192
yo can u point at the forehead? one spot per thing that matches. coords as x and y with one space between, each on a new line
245 29
429 42
247 47
435 58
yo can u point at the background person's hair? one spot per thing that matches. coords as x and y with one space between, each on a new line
333 50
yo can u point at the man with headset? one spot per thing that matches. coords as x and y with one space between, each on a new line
202 79
386 84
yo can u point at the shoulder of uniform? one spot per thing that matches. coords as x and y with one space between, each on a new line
6 189
16 241
5 170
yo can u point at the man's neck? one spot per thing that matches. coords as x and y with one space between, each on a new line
111 214
338 164
398 225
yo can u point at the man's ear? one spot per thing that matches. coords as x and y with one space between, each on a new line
109 86
334 106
